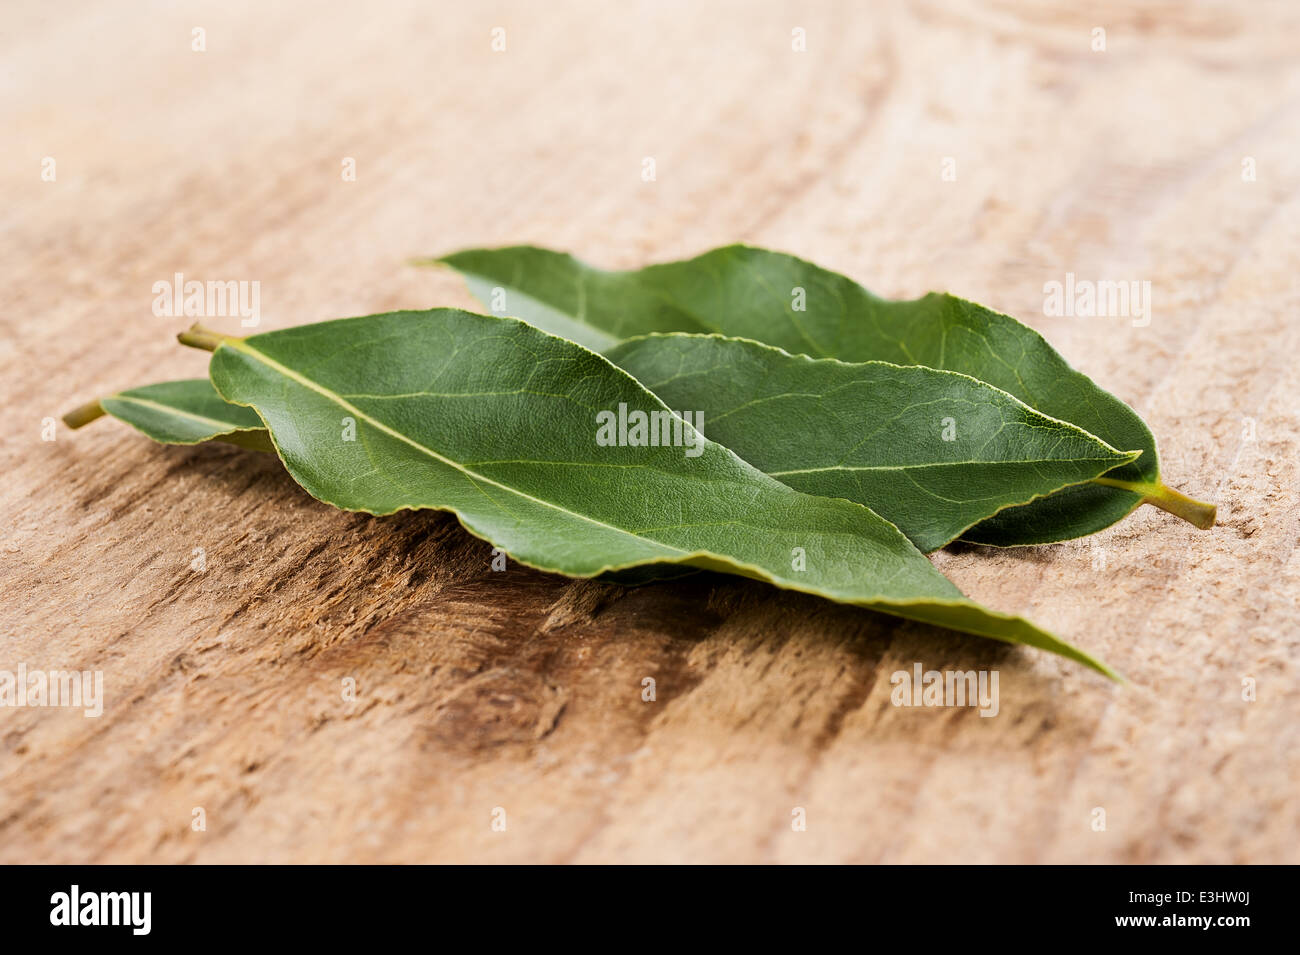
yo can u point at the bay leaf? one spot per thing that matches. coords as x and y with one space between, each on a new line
932 451
188 411
781 300
499 423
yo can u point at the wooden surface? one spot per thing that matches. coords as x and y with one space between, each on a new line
477 690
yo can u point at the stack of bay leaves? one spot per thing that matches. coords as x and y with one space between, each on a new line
831 438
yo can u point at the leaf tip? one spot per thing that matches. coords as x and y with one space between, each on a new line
1113 675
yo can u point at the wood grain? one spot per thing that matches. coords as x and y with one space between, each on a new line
477 689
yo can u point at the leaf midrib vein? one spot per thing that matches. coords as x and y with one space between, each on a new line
380 426
932 464
166 409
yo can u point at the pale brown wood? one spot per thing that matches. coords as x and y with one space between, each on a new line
477 689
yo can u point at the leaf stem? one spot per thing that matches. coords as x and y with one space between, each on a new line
83 414
1166 498
196 336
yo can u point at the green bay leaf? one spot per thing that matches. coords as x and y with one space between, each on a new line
781 300
934 452
497 422
188 411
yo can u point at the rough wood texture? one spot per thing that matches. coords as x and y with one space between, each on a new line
477 689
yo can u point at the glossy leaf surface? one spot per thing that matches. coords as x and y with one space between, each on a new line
932 451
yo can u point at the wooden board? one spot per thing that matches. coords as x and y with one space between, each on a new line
478 690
